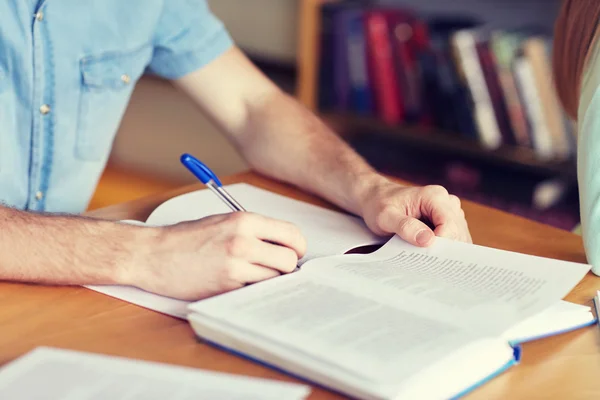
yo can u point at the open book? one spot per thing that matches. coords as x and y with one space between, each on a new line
400 322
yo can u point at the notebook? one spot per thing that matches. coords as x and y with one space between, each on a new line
58 374
383 324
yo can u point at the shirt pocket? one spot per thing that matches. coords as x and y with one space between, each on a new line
107 81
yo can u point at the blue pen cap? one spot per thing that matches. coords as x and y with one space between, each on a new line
199 170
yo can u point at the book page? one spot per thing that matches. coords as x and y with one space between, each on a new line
454 280
561 317
326 232
63 374
349 330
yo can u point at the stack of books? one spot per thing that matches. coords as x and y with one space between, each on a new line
451 73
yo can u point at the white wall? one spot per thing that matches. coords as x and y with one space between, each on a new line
263 27
160 124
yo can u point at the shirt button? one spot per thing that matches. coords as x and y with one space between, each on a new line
45 109
39 15
125 78
39 195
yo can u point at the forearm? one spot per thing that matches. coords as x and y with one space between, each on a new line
277 135
64 250
284 140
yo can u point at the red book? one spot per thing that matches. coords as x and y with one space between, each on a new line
381 68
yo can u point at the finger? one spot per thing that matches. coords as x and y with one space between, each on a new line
414 231
280 232
244 272
457 204
455 201
274 256
395 220
440 210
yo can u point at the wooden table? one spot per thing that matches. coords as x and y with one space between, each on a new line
561 367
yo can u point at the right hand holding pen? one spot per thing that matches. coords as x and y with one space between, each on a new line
198 259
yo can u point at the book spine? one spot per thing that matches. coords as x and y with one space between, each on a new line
340 61
504 48
326 98
382 74
360 90
485 118
447 109
535 51
540 134
421 50
490 72
405 65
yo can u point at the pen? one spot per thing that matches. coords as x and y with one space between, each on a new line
206 176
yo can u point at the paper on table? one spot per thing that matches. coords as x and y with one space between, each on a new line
54 374
327 232
151 301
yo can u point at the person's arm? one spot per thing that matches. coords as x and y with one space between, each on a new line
282 139
65 250
275 134
189 261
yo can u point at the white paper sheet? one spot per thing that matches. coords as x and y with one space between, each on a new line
173 307
327 232
56 374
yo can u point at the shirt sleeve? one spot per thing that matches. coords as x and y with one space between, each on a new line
588 171
188 37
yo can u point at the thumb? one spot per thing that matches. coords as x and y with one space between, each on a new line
414 231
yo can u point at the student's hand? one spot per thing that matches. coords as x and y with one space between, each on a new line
195 260
389 208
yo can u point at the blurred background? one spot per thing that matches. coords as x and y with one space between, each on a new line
457 93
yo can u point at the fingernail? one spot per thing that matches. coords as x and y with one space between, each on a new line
424 236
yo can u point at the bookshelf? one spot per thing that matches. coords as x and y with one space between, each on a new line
348 125
512 158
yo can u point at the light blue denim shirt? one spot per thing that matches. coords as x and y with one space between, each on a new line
67 71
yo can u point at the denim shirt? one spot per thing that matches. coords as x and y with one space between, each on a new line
67 71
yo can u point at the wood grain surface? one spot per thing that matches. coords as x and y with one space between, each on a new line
561 367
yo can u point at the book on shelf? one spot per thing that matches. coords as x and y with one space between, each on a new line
376 324
455 73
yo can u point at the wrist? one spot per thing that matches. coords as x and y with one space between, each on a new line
135 257
366 188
